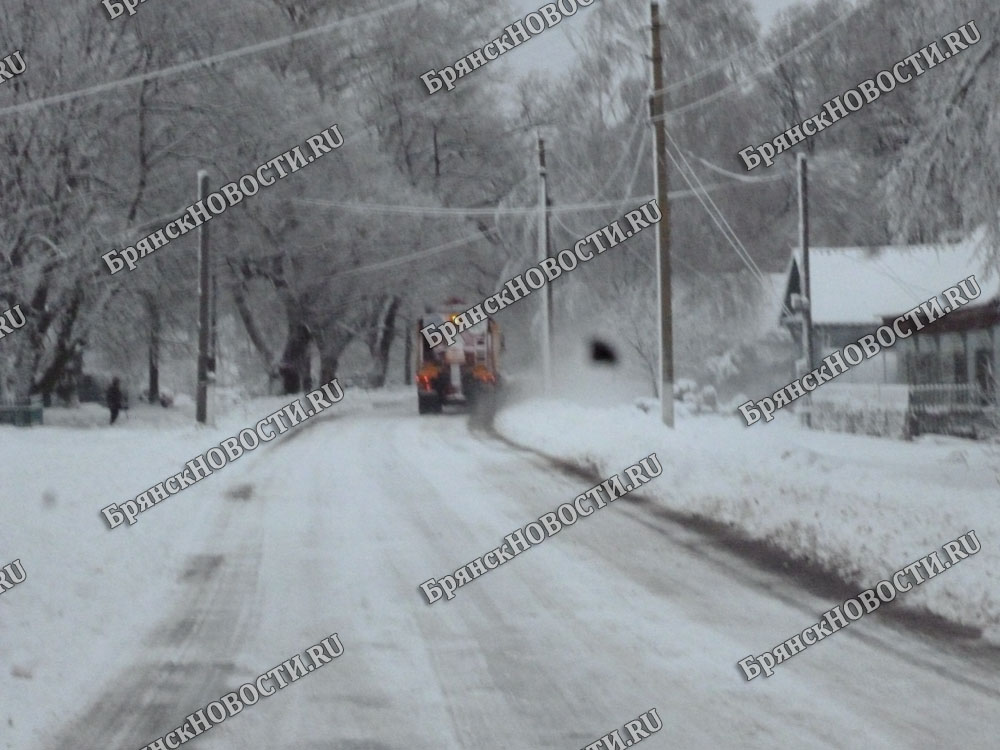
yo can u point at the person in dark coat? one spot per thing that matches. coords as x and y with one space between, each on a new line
114 398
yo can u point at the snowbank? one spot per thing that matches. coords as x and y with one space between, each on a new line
859 507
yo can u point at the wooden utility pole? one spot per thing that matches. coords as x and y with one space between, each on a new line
657 111
806 289
204 307
213 344
543 253
408 357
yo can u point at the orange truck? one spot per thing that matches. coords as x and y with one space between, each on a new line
463 373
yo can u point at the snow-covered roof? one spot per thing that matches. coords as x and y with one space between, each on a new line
865 284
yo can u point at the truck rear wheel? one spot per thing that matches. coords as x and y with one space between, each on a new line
428 404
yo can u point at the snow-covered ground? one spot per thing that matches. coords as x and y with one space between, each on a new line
859 507
84 579
117 635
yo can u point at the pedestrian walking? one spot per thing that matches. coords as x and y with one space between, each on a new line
114 398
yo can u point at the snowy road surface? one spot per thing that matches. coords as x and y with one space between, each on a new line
334 529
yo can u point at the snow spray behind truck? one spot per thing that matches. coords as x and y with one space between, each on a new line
466 372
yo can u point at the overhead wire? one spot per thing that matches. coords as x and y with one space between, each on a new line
631 186
421 254
746 259
325 28
715 206
525 211
768 66
205 62
380 265
739 52
719 220
778 175
707 70
436 211
466 211
404 259
498 224
632 178
489 212
637 131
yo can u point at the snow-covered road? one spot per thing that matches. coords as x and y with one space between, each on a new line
333 530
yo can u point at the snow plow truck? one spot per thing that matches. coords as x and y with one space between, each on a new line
466 372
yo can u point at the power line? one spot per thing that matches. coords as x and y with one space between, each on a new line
435 211
637 131
706 71
574 233
740 251
767 66
735 175
722 63
496 217
445 211
712 215
400 260
515 211
418 255
684 168
634 172
714 205
743 251
205 61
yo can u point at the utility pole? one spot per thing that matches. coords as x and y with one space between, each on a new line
806 289
204 307
213 345
543 253
214 358
658 115
408 358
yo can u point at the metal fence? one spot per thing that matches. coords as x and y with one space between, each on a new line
899 410
958 397
962 409
21 411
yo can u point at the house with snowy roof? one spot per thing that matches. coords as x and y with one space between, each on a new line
949 367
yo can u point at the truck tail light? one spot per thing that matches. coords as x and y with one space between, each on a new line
483 375
426 377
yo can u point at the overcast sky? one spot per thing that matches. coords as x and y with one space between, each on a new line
767 8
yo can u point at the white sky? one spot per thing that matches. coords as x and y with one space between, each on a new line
767 8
